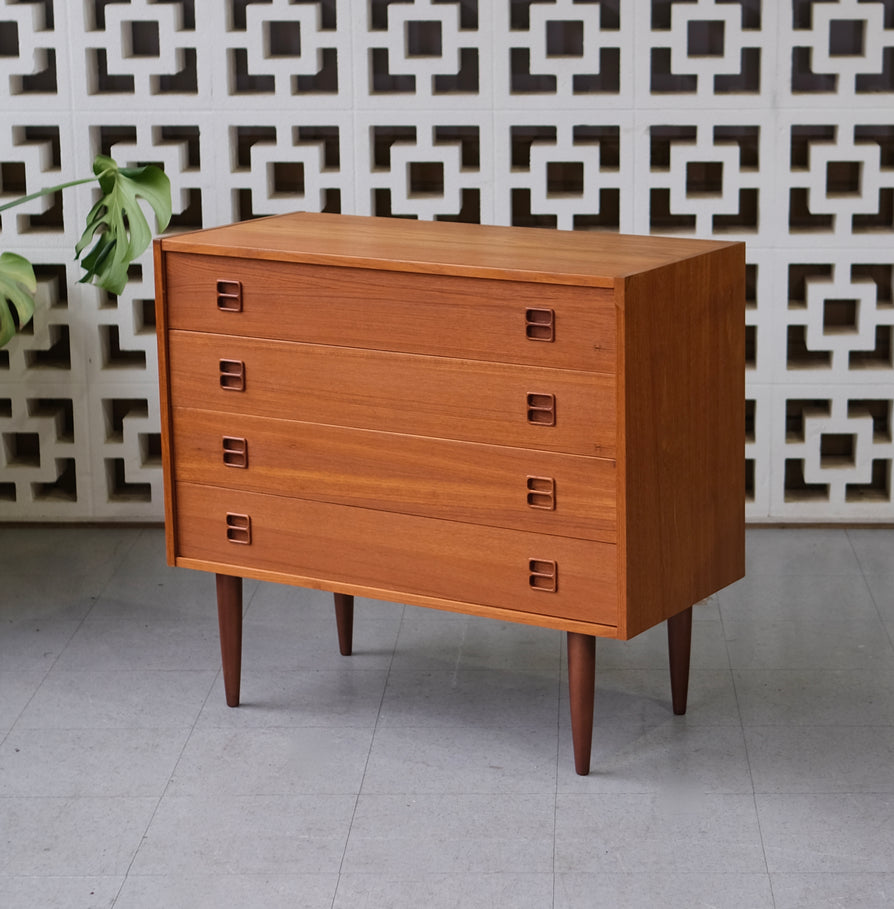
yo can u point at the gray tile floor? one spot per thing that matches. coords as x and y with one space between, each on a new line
433 768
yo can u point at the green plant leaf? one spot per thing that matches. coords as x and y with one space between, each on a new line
17 287
117 224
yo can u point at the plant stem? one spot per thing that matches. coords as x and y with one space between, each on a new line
48 191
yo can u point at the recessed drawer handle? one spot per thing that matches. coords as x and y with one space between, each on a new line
542 409
540 324
543 575
229 296
235 451
542 493
238 528
232 375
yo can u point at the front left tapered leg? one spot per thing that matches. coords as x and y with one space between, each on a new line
582 694
344 621
229 616
679 646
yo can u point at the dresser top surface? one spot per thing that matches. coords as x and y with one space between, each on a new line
437 247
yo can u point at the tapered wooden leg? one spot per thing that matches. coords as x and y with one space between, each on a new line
344 620
229 616
679 644
582 691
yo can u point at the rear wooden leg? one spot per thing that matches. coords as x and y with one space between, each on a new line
679 645
344 620
229 616
582 691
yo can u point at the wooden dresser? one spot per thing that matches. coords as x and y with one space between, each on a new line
537 426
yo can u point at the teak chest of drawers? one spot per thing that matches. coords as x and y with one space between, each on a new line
538 426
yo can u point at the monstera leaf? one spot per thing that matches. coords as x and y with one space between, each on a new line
117 223
17 287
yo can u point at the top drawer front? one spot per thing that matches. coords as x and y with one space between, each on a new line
468 400
513 322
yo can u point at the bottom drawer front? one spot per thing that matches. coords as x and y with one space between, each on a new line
339 544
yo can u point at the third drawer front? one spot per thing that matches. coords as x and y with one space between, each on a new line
319 544
469 400
544 492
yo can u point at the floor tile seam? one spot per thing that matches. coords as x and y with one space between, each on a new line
886 624
550 673
120 559
835 873
372 740
826 669
818 725
832 725
570 791
659 794
280 727
202 875
729 661
813 572
671 721
824 793
158 802
847 532
754 801
246 608
149 619
104 728
134 671
76 798
461 792
182 728
682 872
43 680
868 793
483 727
753 793
657 669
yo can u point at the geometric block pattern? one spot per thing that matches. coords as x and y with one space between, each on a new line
767 122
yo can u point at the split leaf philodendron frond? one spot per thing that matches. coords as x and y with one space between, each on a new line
116 226
17 287
117 223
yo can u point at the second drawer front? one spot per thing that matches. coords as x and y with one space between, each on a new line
538 491
326 545
470 400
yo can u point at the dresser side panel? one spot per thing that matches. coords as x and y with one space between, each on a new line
682 434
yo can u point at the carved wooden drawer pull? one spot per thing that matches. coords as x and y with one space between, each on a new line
229 296
238 528
232 375
542 493
235 451
544 575
540 324
542 409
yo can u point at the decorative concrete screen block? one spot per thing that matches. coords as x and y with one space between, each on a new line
705 49
771 123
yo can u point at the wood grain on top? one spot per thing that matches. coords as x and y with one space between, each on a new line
443 248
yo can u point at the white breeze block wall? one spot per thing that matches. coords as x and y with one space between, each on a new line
770 122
